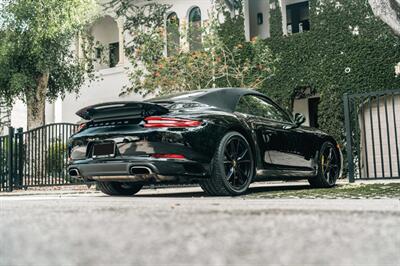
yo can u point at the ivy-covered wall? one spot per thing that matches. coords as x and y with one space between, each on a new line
275 19
347 50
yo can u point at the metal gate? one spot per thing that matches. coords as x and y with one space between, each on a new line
5 146
37 157
372 123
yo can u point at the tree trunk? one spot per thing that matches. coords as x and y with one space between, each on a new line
5 116
36 104
388 12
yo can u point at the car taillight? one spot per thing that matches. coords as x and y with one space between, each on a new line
168 156
81 127
158 121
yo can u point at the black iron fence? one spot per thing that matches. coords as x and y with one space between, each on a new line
36 157
5 162
373 135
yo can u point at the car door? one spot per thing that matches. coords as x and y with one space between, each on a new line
280 142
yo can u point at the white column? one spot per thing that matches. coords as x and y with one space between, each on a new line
397 70
50 112
184 29
58 110
284 18
246 13
121 42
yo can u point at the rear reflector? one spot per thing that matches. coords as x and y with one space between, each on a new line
168 156
158 121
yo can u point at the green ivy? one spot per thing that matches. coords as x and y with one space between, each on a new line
348 50
231 30
275 18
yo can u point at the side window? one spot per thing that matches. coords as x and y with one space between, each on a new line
243 106
253 105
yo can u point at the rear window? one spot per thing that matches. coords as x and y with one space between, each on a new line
191 105
181 105
183 96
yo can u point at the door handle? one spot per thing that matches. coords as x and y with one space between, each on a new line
287 127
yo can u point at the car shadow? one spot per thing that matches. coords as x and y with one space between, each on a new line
257 189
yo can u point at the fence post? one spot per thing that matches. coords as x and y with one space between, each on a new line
10 159
20 158
349 146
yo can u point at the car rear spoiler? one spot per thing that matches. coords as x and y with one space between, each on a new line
121 110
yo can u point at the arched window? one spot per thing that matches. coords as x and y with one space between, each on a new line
195 29
105 35
173 36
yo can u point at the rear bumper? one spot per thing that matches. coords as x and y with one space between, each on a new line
139 170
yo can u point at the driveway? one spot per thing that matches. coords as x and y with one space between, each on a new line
184 227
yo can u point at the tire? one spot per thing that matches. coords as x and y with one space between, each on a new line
329 164
119 188
231 172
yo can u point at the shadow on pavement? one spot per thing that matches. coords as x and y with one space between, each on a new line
258 189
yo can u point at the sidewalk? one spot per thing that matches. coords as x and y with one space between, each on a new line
52 190
84 189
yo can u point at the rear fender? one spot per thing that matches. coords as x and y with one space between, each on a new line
233 123
251 139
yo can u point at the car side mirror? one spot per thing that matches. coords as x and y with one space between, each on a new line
299 119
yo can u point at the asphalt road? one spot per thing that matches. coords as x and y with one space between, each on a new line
183 227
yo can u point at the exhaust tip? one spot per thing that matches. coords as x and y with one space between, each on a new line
140 170
74 173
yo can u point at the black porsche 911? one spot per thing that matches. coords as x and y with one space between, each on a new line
224 139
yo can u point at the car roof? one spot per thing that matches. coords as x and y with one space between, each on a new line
222 98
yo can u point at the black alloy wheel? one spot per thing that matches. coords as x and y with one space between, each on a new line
329 167
119 188
232 167
238 162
